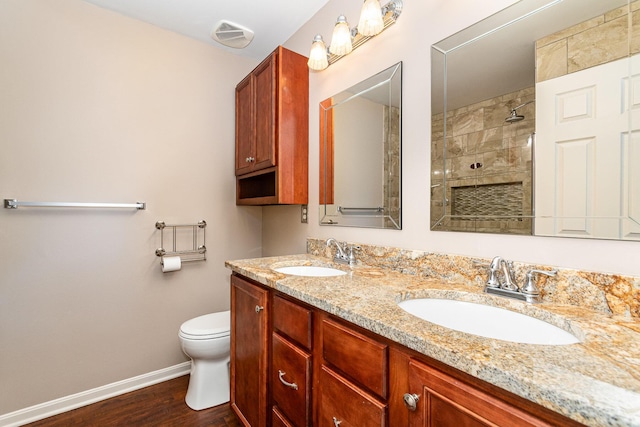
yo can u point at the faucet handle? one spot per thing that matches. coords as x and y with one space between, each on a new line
352 256
550 273
530 287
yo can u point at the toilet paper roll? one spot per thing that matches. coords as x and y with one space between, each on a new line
171 263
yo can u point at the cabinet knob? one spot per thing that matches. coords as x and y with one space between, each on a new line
336 422
249 159
259 308
288 384
411 401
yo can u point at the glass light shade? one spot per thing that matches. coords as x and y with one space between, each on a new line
371 22
318 55
341 39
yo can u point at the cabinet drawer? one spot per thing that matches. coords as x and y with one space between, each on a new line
291 381
293 320
355 355
341 402
278 419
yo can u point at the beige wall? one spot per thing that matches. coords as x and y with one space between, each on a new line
97 107
421 24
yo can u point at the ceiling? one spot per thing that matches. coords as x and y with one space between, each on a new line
272 22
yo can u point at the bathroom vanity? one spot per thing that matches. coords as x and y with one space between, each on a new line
332 350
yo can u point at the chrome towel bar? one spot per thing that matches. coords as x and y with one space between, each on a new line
14 204
363 211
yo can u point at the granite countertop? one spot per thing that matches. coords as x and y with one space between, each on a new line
595 382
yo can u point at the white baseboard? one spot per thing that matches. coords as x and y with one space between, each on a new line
67 403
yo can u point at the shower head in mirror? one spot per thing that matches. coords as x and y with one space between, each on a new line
514 116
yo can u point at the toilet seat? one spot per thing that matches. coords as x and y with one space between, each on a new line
208 326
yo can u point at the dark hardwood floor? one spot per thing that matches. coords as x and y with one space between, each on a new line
157 405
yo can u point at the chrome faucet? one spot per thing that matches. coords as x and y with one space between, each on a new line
508 286
341 253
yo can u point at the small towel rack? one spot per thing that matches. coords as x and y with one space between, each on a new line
197 253
14 204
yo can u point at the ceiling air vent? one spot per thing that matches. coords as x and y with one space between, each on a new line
232 35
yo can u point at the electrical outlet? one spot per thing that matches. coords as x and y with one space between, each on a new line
304 210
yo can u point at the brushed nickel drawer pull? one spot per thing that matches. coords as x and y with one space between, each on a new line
259 308
290 385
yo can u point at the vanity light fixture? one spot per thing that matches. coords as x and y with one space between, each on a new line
373 20
341 39
318 57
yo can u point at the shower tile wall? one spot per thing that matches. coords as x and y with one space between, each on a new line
599 40
478 134
391 149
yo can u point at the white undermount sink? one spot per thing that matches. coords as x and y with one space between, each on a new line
310 271
487 321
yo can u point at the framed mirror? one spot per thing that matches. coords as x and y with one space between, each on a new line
360 153
535 122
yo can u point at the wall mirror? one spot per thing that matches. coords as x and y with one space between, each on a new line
535 122
360 153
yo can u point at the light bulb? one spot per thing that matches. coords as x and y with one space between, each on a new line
341 39
371 22
318 55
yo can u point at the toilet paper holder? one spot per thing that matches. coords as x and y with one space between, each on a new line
198 252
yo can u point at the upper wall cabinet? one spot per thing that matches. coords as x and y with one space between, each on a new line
272 132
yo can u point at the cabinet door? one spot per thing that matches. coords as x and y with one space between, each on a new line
249 351
245 129
291 381
265 113
444 401
343 404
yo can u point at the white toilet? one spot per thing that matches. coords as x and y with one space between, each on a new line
207 341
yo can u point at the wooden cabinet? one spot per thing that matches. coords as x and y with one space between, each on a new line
249 351
272 131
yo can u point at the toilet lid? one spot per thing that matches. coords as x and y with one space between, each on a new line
208 326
